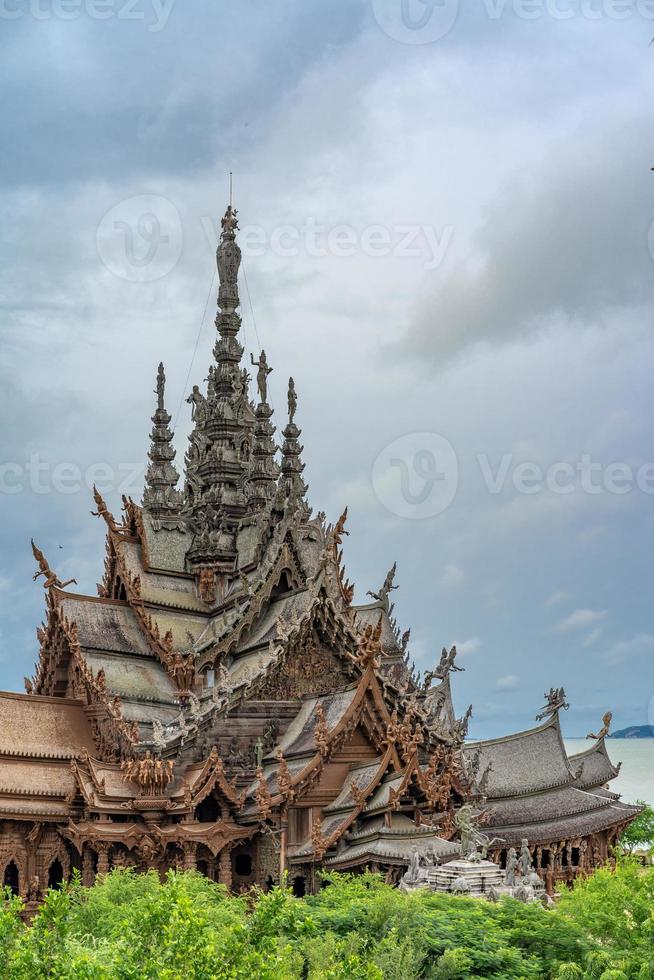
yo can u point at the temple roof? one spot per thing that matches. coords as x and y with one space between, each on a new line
45 728
595 764
375 841
524 763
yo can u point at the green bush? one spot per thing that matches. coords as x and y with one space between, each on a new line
131 926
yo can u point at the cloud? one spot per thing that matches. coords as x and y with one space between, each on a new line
452 575
556 598
468 646
507 683
626 650
522 274
580 619
593 637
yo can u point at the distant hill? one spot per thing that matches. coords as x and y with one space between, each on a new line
635 731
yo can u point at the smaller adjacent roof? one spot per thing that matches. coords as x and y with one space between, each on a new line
595 765
525 763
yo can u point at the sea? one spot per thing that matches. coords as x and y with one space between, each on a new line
636 779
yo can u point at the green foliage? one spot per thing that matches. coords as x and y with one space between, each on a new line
131 926
640 832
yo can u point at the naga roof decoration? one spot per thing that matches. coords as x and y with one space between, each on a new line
223 701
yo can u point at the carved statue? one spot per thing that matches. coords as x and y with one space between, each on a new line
387 587
292 401
49 577
262 375
555 701
511 867
525 858
466 822
34 890
197 402
446 663
229 221
604 730
161 384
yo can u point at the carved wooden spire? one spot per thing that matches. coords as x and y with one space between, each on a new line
217 460
161 498
292 483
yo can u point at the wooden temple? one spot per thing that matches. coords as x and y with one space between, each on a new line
222 704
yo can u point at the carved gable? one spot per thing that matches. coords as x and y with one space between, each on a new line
309 668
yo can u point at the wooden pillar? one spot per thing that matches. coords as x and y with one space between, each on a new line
102 850
225 867
283 843
189 851
87 866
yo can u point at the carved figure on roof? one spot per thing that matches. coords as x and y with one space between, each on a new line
262 375
103 511
229 221
447 664
461 726
404 642
387 587
604 730
555 701
197 402
49 577
161 385
292 401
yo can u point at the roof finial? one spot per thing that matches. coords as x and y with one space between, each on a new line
161 385
231 188
161 498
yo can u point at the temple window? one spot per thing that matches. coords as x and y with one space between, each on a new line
299 886
545 858
243 865
11 878
208 811
55 874
298 825
503 860
575 856
209 677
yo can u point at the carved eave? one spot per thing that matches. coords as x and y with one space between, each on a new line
352 800
212 777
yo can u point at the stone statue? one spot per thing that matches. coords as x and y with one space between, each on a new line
555 701
465 822
604 730
292 401
258 752
525 858
262 375
511 867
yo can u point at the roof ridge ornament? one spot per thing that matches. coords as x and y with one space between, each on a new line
50 578
604 730
555 702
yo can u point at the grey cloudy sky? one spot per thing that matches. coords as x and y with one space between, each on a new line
446 216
